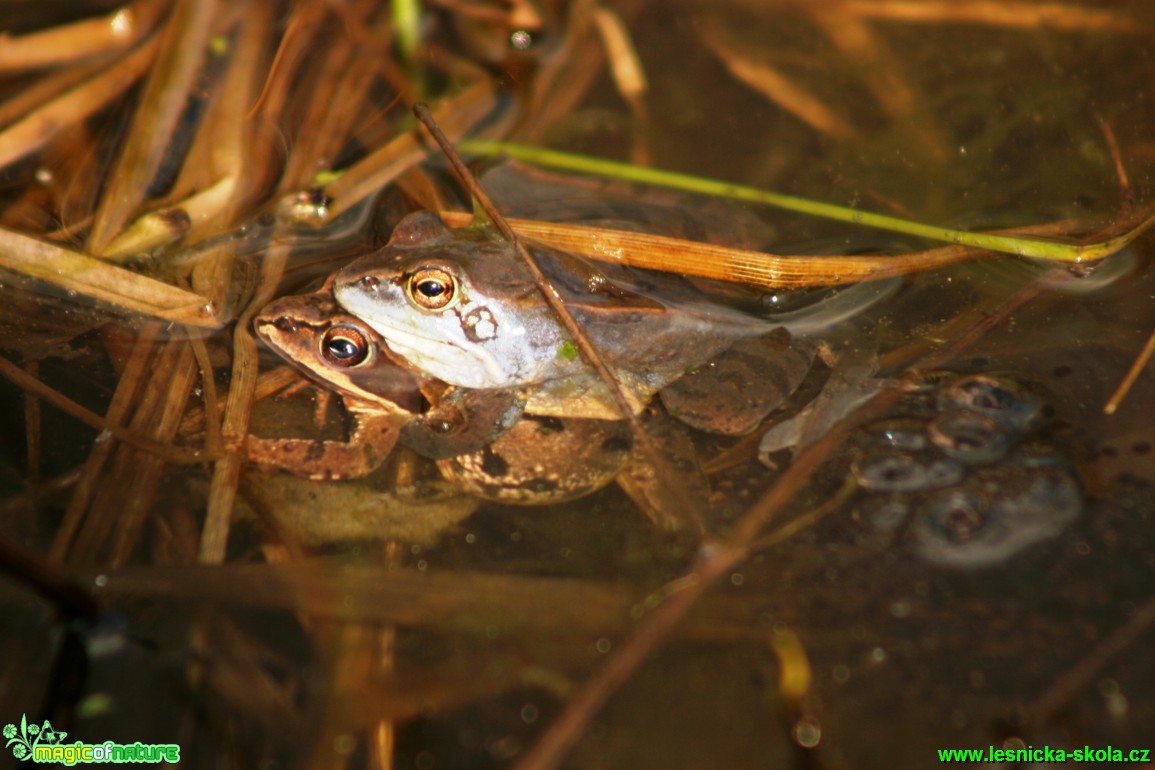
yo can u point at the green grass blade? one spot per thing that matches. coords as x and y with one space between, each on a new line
1025 247
407 21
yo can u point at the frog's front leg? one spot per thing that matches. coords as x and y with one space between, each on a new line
463 421
372 439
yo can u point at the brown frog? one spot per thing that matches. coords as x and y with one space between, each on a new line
480 439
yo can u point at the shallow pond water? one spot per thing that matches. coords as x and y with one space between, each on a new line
870 625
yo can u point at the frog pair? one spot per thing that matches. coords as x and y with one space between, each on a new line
442 341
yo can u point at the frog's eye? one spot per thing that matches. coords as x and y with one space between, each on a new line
431 288
344 346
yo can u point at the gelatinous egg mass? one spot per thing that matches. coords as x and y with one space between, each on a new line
994 514
961 468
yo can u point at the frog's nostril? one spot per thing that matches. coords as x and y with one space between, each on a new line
286 324
370 282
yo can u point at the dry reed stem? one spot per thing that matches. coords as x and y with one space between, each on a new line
102 521
85 39
305 22
629 77
448 601
32 425
722 263
45 89
357 654
414 693
750 66
565 77
878 68
131 503
1039 712
49 579
223 170
227 471
213 442
563 733
88 277
101 451
994 13
342 86
31 132
121 500
269 383
242 148
13 506
183 44
238 409
76 165
229 668
58 400
1133 372
456 115
875 63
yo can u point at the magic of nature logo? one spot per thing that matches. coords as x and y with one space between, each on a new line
43 743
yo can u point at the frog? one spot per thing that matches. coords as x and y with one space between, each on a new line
383 399
482 442
460 306
565 440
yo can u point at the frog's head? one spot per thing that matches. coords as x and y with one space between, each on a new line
337 350
455 304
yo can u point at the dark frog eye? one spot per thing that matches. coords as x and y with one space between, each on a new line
431 288
344 346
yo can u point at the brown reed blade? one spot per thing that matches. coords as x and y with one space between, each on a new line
721 263
458 115
184 41
995 13
97 280
85 39
37 128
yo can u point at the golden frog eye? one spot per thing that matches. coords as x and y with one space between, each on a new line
432 288
344 346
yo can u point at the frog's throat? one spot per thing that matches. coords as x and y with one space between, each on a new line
446 360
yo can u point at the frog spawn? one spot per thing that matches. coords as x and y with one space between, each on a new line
959 465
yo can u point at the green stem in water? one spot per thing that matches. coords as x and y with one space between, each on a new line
1006 244
407 21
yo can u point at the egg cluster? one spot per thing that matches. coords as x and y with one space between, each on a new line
960 464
